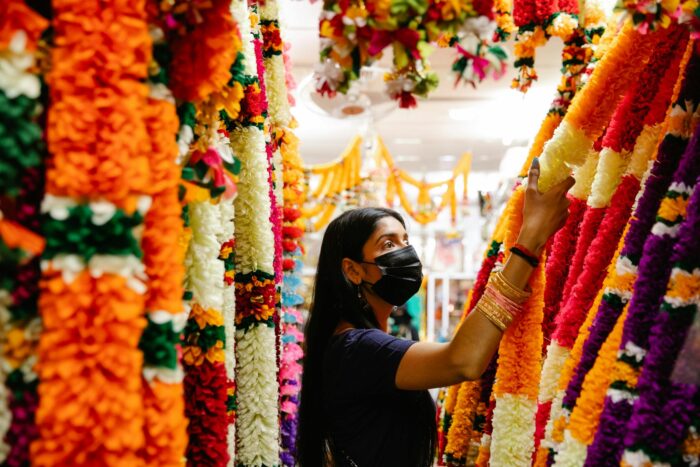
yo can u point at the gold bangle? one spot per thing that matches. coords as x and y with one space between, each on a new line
495 309
500 325
494 313
504 286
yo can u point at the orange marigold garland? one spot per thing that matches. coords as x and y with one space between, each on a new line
92 300
164 403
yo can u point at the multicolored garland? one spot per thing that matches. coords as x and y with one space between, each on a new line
454 454
653 274
615 217
93 288
257 389
21 176
611 201
355 34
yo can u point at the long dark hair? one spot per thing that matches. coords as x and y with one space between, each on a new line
335 299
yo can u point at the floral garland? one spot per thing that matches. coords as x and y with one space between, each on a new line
653 273
602 225
602 340
458 431
623 198
566 90
652 15
204 342
164 401
93 292
204 37
519 360
665 409
591 109
355 34
289 189
20 178
257 389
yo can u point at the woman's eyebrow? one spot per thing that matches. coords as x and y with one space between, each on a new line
388 234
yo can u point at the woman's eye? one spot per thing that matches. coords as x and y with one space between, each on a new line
388 244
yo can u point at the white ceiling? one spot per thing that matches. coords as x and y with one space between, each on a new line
490 119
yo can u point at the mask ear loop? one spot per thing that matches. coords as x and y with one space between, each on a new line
363 301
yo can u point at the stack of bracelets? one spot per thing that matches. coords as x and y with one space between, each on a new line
502 301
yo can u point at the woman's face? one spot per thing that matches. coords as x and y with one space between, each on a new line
389 235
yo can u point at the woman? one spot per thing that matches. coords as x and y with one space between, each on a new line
364 399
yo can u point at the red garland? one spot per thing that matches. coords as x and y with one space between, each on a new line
291 214
205 393
484 8
588 230
559 261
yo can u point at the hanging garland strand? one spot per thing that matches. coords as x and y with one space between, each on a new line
92 292
257 388
665 409
21 175
623 199
654 271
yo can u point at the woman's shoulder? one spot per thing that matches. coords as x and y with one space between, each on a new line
369 340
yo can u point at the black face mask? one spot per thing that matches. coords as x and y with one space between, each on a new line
402 275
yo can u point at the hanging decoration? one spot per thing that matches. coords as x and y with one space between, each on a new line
340 181
573 67
611 199
257 387
337 178
165 425
653 273
355 34
21 173
425 211
93 287
620 206
289 194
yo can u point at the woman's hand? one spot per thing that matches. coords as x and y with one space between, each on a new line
543 213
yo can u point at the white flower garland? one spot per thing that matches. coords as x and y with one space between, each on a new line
516 428
204 269
257 427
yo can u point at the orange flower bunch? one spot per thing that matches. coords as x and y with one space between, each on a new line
204 45
101 149
90 391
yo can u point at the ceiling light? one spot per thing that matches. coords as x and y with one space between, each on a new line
408 141
447 158
507 140
407 158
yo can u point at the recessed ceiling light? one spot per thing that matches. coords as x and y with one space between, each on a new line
447 158
408 141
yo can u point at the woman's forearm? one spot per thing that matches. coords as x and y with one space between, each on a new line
478 338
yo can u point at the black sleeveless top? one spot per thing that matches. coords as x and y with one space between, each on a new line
370 421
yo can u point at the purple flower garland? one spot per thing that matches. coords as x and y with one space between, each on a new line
664 409
654 271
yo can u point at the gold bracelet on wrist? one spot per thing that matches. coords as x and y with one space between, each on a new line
494 313
504 286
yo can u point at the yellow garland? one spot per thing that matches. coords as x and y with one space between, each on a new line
344 174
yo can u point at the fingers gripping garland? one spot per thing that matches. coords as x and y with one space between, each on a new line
458 441
21 173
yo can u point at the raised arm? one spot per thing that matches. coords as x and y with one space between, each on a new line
428 365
